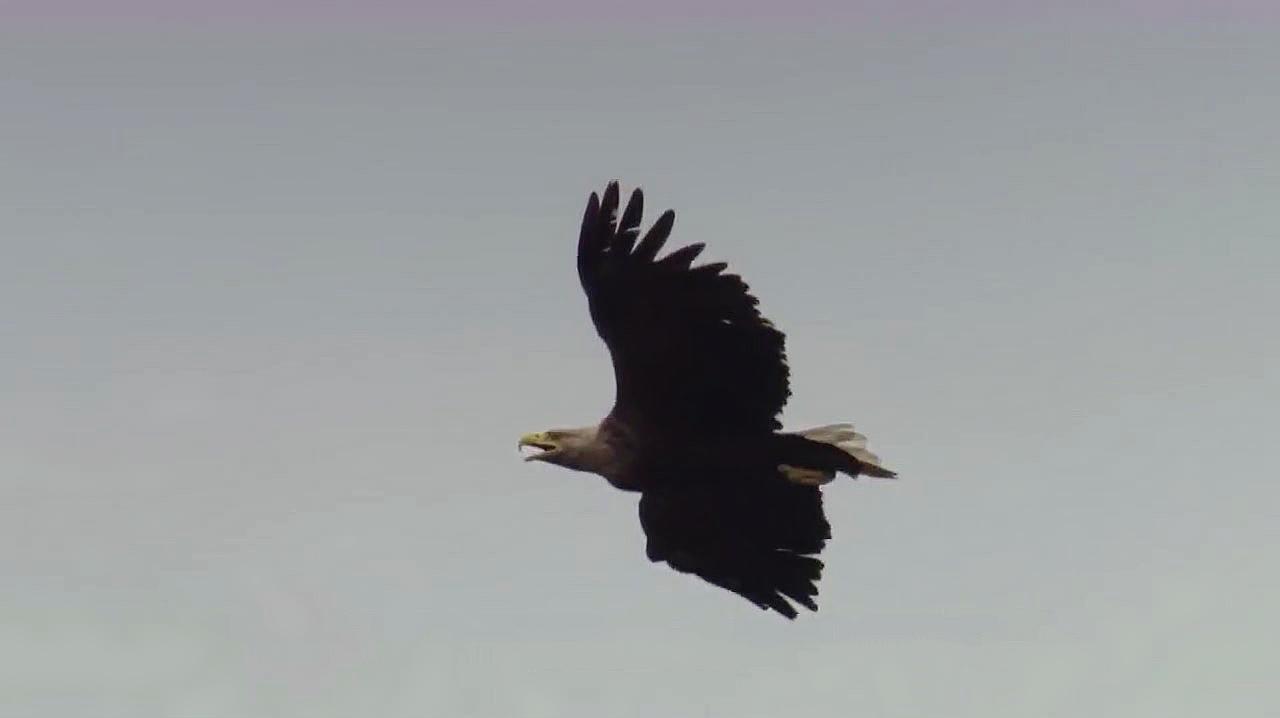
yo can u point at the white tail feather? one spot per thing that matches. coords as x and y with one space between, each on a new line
843 437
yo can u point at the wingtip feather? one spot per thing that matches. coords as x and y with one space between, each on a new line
656 237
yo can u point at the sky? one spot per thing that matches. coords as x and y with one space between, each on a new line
280 290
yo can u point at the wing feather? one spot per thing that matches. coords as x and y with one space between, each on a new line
755 540
655 237
692 355
629 226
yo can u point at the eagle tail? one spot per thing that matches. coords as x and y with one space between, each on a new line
813 456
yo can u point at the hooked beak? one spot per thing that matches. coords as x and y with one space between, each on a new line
539 441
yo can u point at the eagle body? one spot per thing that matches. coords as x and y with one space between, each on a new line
700 379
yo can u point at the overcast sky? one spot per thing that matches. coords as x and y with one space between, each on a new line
277 296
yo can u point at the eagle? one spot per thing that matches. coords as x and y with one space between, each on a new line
700 379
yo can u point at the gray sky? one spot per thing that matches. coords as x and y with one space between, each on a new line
275 305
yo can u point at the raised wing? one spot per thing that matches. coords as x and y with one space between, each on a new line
752 539
691 354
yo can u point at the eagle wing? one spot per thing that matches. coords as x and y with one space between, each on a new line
751 539
692 357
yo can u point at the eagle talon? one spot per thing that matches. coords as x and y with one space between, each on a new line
806 477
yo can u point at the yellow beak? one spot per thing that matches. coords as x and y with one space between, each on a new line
538 440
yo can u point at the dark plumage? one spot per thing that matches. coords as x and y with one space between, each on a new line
700 380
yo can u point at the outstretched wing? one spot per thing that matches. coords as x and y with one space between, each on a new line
753 540
692 357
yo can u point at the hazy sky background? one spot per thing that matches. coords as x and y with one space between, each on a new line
280 291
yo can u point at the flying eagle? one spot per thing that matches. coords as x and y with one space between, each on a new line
700 379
